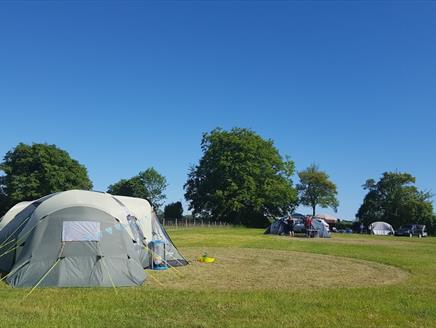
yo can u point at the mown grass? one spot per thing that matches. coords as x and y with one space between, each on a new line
410 302
252 269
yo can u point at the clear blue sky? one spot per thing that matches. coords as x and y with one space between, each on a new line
123 86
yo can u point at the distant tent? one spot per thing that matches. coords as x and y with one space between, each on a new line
81 239
278 227
381 229
321 227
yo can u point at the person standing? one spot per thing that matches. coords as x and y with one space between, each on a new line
308 225
291 227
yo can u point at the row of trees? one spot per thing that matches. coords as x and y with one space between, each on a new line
33 171
241 179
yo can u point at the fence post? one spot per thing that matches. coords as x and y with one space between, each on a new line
176 224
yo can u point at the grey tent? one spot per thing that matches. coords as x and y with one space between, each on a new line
81 239
278 227
321 227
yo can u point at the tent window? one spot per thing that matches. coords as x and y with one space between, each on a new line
81 231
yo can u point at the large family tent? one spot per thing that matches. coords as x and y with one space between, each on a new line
381 229
81 239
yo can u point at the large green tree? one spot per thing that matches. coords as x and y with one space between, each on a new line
174 211
33 171
396 200
241 178
316 189
148 184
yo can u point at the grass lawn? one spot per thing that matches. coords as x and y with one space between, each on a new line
257 281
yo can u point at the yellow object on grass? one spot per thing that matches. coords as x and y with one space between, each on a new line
206 259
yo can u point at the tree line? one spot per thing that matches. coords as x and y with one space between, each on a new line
241 179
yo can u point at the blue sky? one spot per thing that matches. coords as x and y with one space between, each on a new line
126 85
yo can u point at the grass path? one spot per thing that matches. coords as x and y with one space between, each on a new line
348 301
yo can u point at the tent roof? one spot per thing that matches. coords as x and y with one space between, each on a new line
12 212
137 206
380 226
328 218
73 198
140 208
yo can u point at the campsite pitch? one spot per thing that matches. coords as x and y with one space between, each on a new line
257 281
244 269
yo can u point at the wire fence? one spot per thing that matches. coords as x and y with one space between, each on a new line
185 223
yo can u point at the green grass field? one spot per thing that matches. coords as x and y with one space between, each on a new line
257 281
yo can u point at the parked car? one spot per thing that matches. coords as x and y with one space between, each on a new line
411 230
299 226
